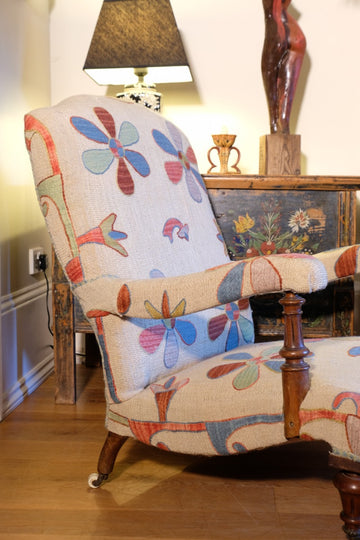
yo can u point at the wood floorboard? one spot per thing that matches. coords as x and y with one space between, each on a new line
48 450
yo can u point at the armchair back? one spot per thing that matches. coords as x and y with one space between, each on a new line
122 198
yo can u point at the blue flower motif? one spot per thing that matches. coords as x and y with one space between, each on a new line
185 163
240 329
170 327
99 160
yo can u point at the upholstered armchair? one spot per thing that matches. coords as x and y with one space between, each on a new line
133 229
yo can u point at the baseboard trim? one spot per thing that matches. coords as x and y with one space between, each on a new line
27 384
15 309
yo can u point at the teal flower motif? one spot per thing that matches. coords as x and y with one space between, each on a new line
247 366
99 160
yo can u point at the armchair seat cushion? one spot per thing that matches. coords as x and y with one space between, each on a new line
213 407
331 409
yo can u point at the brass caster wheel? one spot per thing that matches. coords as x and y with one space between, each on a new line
96 479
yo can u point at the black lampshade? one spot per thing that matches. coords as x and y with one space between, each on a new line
136 34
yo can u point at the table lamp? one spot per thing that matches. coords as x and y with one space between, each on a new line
137 38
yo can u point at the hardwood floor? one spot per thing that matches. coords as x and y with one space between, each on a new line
48 450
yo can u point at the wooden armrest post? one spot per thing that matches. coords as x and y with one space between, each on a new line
295 371
64 336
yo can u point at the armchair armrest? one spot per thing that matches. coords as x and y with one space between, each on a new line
341 262
164 298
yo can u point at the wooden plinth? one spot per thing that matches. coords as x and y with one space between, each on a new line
280 154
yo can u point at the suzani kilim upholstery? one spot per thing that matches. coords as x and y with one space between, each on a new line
133 229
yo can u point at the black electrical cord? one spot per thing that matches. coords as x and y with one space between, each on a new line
47 302
43 266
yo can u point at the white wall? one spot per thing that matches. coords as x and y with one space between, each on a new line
25 355
224 43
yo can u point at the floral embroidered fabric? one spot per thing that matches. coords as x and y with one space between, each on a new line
133 228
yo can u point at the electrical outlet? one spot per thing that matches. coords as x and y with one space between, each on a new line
34 256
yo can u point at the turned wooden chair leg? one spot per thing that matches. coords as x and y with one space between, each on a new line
295 371
107 458
348 485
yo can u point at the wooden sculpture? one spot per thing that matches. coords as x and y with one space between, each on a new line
282 56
